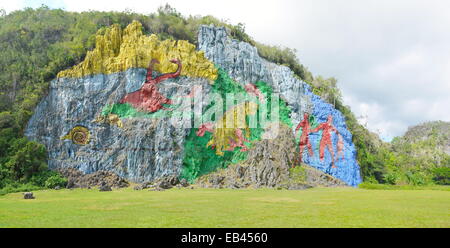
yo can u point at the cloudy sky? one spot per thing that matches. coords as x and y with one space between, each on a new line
391 58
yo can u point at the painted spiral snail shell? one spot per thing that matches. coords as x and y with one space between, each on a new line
79 135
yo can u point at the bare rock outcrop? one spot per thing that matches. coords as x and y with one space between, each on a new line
77 179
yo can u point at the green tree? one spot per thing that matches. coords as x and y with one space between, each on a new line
28 158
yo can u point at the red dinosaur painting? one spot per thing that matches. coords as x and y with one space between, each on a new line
304 138
148 98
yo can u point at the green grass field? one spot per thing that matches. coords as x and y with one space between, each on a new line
317 207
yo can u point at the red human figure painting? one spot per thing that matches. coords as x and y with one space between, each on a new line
304 138
325 142
252 89
148 98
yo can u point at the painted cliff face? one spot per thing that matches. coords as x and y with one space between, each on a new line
145 108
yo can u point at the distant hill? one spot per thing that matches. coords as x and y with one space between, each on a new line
440 130
421 155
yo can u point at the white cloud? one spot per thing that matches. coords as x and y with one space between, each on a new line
9 6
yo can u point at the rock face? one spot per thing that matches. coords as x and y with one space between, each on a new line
146 148
77 179
267 165
71 121
139 148
163 183
104 187
270 164
315 177
242 62
118 50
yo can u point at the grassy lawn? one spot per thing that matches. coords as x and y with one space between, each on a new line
317 207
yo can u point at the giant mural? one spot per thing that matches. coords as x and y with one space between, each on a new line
146 108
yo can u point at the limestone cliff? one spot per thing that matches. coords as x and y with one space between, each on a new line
85 124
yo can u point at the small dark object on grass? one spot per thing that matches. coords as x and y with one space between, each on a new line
28 195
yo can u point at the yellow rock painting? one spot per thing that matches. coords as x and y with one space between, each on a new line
223 132
118 50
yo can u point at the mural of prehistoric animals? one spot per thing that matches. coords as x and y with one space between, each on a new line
118 101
